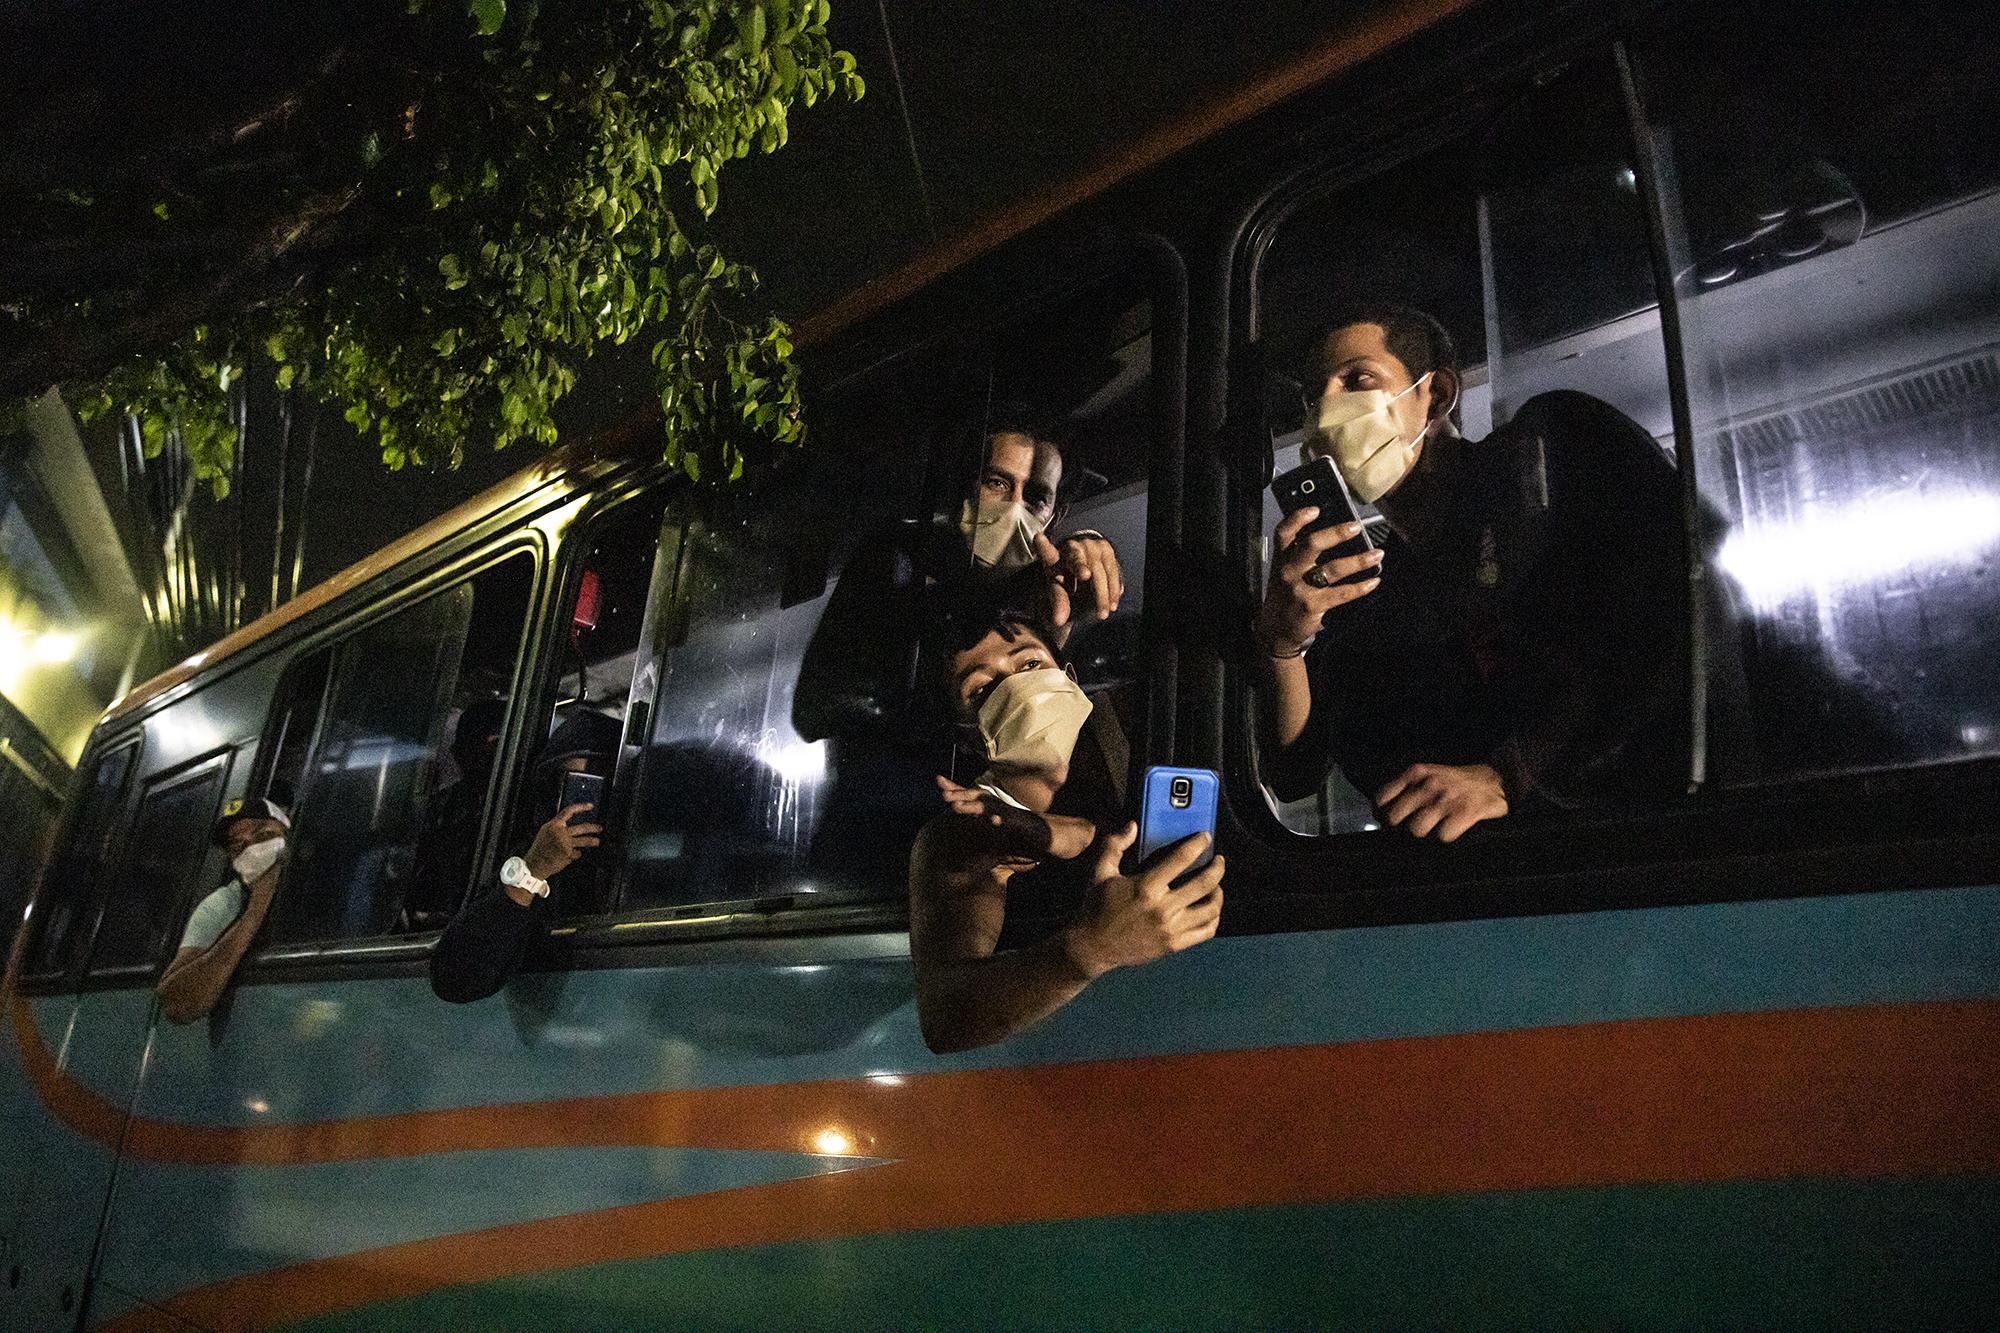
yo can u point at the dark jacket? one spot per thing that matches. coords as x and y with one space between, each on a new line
1534 621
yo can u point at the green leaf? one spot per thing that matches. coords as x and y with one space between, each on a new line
487 15
751 27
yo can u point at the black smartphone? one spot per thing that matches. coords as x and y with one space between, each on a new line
583 789
1320 483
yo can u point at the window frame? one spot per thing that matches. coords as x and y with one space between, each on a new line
1940 820
527 538
215 764
90 900
637 937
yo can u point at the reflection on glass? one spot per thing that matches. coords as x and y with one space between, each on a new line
1837 222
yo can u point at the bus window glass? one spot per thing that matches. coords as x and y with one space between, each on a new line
1522 656
798 728
369 834
72 879
1839 198
166 855
601 666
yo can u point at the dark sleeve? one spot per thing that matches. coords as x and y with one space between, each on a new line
860 665
1299 770
484 945
1619 623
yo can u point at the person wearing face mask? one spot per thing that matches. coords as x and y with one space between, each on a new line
219 931
857 681
489 938
1025 833
1074 580
1516 641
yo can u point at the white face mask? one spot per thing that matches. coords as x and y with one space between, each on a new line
258 857
1002 533
1031 721
1358 428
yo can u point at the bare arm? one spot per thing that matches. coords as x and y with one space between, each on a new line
196 978
969 994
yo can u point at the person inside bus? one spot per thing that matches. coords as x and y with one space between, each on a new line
855 682
1516 640
219 931
487 941
993 544
1039 833
451 835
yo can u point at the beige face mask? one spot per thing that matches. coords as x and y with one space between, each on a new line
1358 428
1031 721
1002 533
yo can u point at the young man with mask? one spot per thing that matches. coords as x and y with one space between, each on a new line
219 931
489 938
1006 528
856 681
1516 641
1029 824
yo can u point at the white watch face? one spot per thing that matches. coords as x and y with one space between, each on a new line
513 871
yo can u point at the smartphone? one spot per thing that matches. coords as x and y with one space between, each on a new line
1320 483
583 789
1173 803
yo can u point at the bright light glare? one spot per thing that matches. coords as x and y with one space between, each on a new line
833 1143
1862 542
55 646
798 761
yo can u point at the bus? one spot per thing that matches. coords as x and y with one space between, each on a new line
1727 1057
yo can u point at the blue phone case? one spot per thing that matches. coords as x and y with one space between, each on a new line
1162 823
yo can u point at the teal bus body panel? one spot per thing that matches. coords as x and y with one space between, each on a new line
333 1053
1770 1255
619 1030
101 1044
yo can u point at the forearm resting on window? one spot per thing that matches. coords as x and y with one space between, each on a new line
967 993
194 982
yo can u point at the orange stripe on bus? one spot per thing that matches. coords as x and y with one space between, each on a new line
1866 1091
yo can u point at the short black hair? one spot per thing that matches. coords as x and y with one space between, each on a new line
1414 338
958 620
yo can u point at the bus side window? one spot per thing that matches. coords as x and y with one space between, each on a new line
1526 637
601 671
1840 199
392 791
796 736
75 872
167 857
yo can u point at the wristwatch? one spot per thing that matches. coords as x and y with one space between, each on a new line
514 873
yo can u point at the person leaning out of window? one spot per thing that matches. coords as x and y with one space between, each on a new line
1516 642
224 923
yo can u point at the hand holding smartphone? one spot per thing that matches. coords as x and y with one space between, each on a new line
583 789
1319 483
1175 803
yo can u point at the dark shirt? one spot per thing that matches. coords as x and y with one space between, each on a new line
1532 619
858 690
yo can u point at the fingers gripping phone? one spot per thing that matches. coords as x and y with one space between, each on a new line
1174 803
583 789
1320 483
